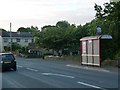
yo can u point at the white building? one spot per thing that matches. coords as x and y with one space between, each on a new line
21 38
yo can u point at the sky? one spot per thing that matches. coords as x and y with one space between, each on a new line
27 13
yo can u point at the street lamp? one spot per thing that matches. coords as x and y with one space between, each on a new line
10 37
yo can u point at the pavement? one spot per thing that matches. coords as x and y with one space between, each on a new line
76 64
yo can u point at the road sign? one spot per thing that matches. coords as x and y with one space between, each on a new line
98 30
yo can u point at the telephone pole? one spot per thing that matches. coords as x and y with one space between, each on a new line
10 37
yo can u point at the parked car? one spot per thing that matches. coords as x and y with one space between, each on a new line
7 61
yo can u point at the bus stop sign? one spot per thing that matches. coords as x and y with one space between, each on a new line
98 30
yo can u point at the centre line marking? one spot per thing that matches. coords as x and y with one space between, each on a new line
93 86
32 69
58 75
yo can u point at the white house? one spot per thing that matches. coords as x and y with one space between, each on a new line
22 38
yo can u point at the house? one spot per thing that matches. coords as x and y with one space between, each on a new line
21 38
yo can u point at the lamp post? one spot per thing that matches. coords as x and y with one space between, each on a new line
10 37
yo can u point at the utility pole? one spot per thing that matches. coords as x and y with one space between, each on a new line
10 37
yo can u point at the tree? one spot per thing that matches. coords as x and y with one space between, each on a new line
62 24
109 16
22 29
56 37
15 47
2 30
62 36
28 29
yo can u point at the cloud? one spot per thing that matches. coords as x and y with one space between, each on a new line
41 12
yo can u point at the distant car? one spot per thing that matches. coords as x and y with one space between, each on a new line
7 61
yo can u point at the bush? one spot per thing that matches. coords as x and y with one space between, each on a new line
117 55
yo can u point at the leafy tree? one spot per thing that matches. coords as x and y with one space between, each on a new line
15 47
60 37
110 21
22 29
28 29
62 24
1 30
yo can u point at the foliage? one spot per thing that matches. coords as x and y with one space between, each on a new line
15 47
28 29
61 36
32 29
109 16
1 30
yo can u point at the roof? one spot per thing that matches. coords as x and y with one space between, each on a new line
4 34
6 53
21 34
16 34
96 37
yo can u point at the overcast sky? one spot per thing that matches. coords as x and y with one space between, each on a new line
25 13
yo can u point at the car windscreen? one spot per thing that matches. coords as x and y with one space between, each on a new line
7 57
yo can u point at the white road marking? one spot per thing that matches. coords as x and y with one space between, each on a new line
88 68
58 75
19 66
93 86
32 69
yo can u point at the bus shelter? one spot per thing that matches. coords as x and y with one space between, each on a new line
91 49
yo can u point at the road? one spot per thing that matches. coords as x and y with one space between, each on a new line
38 73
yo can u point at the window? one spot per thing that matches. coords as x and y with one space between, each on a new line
13 40
26 40
18 40
5 39
8 57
